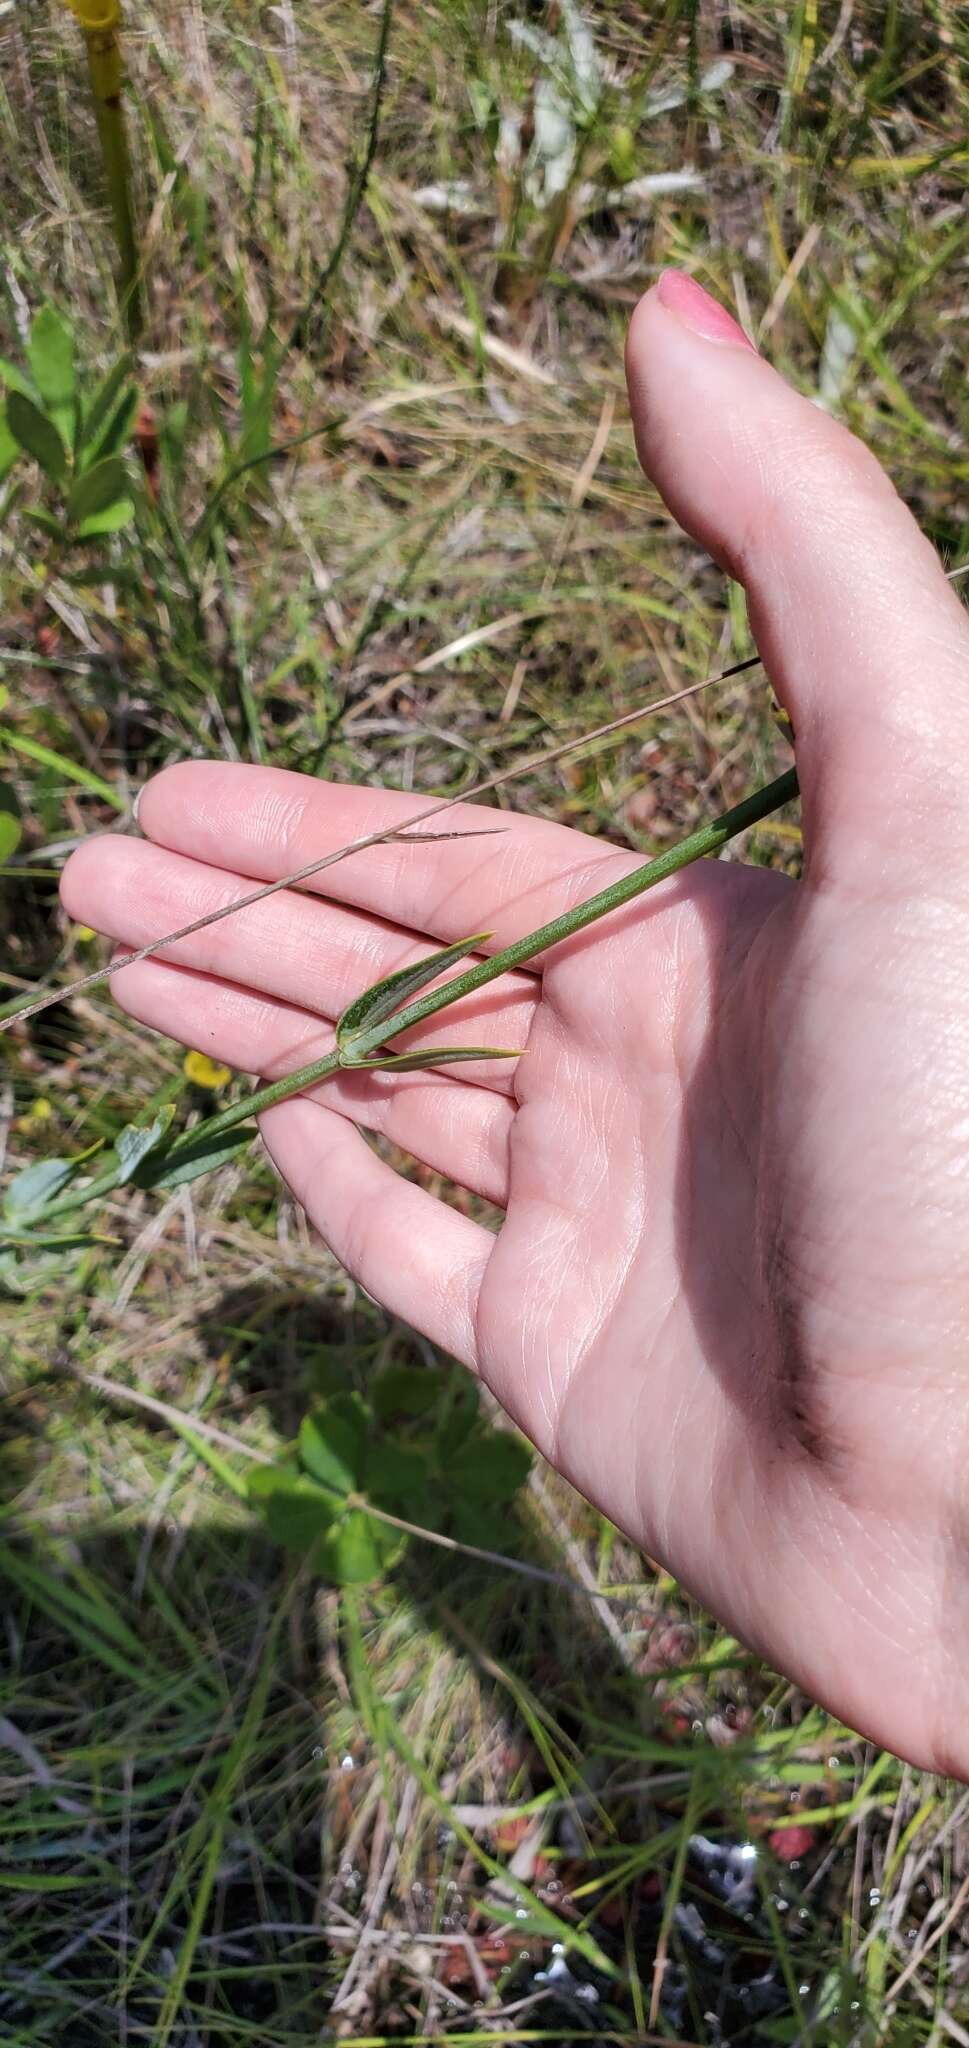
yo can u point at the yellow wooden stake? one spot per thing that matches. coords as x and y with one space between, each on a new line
100 21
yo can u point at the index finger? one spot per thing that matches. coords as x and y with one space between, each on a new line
267 822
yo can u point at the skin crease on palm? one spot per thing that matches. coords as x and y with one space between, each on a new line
730 1294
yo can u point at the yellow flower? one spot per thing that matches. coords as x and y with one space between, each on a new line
40 1109
84 934
204 1072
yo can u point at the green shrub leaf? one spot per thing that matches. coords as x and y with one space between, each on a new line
104 404
298 1513
28 1195
36 434
333 1442
138 1139
107 521
15 380
458 1418
472 1522
191 1161
100 487
50 353
406 1390
118 431
488 1467
398 1478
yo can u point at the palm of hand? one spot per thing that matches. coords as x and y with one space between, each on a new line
702 1300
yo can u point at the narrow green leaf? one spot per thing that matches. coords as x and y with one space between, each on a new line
36 434
333 1442
48 758
47 522
104 402
124 574
100 486
109 520
65 1241
29 1193
34 1881
174 433
429 1056
50 353
10 827
138 1139
9 445
189 1162
385 996
116 431
9 835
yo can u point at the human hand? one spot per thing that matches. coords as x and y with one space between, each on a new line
730 1294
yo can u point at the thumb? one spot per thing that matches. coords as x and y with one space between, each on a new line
865 642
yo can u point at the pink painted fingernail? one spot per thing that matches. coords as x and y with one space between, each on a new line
685 298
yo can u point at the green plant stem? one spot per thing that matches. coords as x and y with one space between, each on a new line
107 81
302 326
709 839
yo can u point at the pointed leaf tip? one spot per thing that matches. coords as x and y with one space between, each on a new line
380 1001
429 1056
138 1139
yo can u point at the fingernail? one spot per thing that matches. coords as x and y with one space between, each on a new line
685 298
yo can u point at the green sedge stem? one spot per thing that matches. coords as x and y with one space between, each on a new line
707 840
